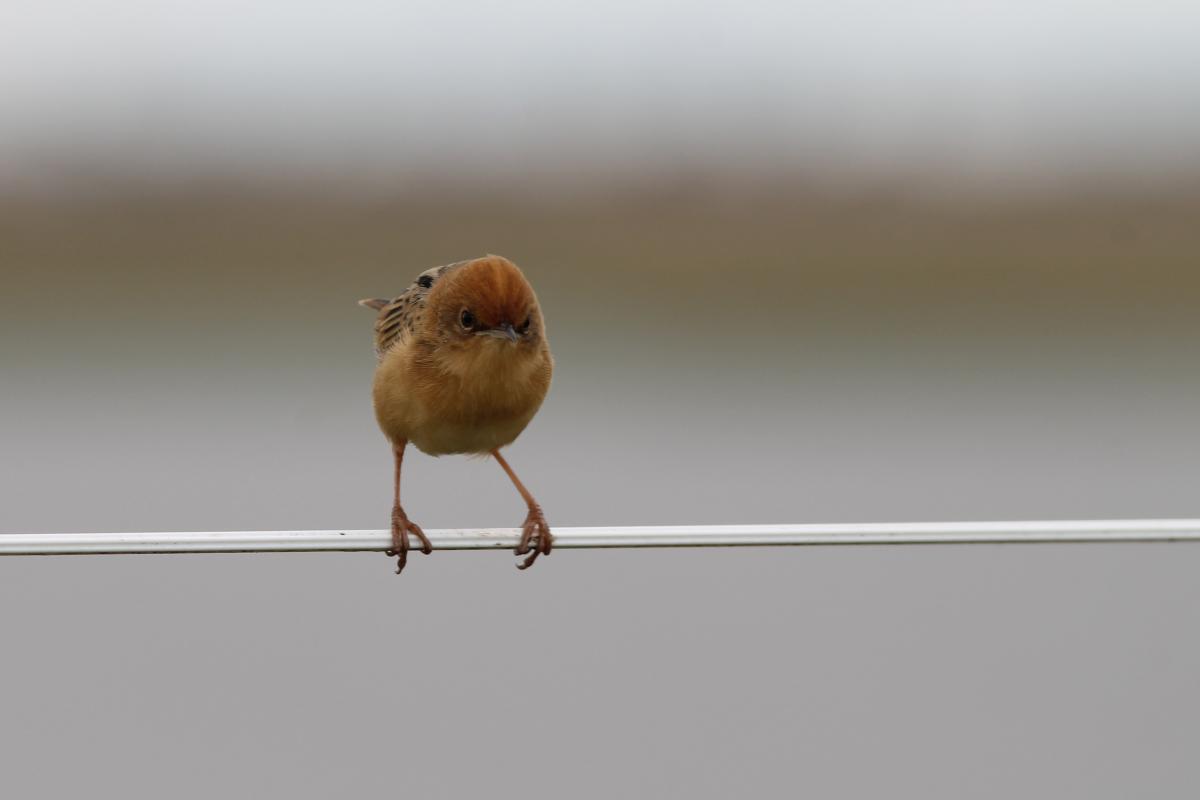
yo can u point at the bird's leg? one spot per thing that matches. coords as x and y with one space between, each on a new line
401 524
535 533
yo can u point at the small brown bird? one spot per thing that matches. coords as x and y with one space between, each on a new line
463 366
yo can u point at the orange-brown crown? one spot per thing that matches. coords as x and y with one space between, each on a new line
491 289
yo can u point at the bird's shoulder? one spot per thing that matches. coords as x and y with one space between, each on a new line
400 317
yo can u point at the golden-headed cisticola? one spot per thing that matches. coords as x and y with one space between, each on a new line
464 365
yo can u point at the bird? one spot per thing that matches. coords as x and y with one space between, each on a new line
463 365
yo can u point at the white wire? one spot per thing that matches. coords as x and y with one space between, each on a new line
873 533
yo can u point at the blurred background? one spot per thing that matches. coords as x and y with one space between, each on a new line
819 263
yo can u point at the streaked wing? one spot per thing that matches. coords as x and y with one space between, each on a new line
399 316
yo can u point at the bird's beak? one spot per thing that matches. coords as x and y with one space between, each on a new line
505 331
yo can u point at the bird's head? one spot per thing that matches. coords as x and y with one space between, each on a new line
485 309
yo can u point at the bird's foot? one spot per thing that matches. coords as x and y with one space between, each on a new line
401 527
535 538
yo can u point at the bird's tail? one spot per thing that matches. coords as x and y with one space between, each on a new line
374 303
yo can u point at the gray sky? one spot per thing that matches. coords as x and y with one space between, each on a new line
165 89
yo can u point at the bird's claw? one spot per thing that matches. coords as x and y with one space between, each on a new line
535 538
401 527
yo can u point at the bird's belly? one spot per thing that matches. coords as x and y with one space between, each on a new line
443 437
451 407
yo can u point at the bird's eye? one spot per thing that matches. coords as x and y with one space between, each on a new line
466 318
425 281
524 326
